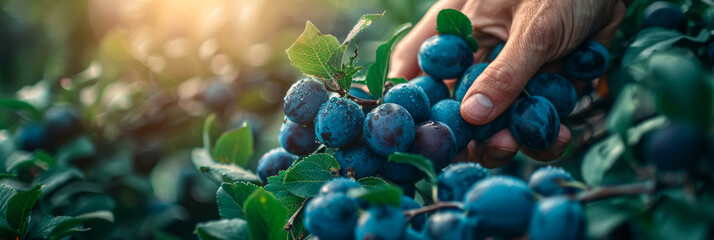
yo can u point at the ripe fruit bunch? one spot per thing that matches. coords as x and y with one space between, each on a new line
473 205
419 117
377 164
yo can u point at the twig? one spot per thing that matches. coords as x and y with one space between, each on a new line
409 214
291 222
342 92
615 191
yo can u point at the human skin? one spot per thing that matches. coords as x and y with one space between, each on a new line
537 33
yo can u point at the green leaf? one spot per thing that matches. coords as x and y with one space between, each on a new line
7 175
19 207
372 184
161 235
227 229
7 145
650 40
604 215
80 147
312 51
235 146
265 216
230 198
6 193
55 178
363 22
384 196
6 230
291 202
305 178
396 81
224 172
18 160
276 185
419 162
680 81
377 72
632 100
600 158
346 80
56 227
676 220
207 131
450 21
105 215
20 105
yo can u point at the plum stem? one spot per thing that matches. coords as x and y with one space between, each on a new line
343 93
291 222
409 214
616 191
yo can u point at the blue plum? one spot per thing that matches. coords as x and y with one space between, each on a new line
496 50
456 179
664 14
676 147
218 96
436 142
448 225
412 98
360 93
298 139
61 124
388 128
339 185
534 123
587 62
417 221
465 82
557 218
545 181
331 216
381 222
401 173
414 235
339 122
486 131
445 56
273 162
303 100
503 206
554 87
359 160
435 89
32 137
448 112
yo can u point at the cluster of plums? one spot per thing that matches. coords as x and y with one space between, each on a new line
422 116
58 126
499 207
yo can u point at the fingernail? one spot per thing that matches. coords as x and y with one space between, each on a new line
500 154
478 107
558 147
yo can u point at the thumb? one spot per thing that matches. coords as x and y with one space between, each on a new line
526 50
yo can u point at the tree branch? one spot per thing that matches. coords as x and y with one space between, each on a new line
616 191
291 222
409 214
360 101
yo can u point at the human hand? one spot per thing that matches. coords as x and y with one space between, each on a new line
536 32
